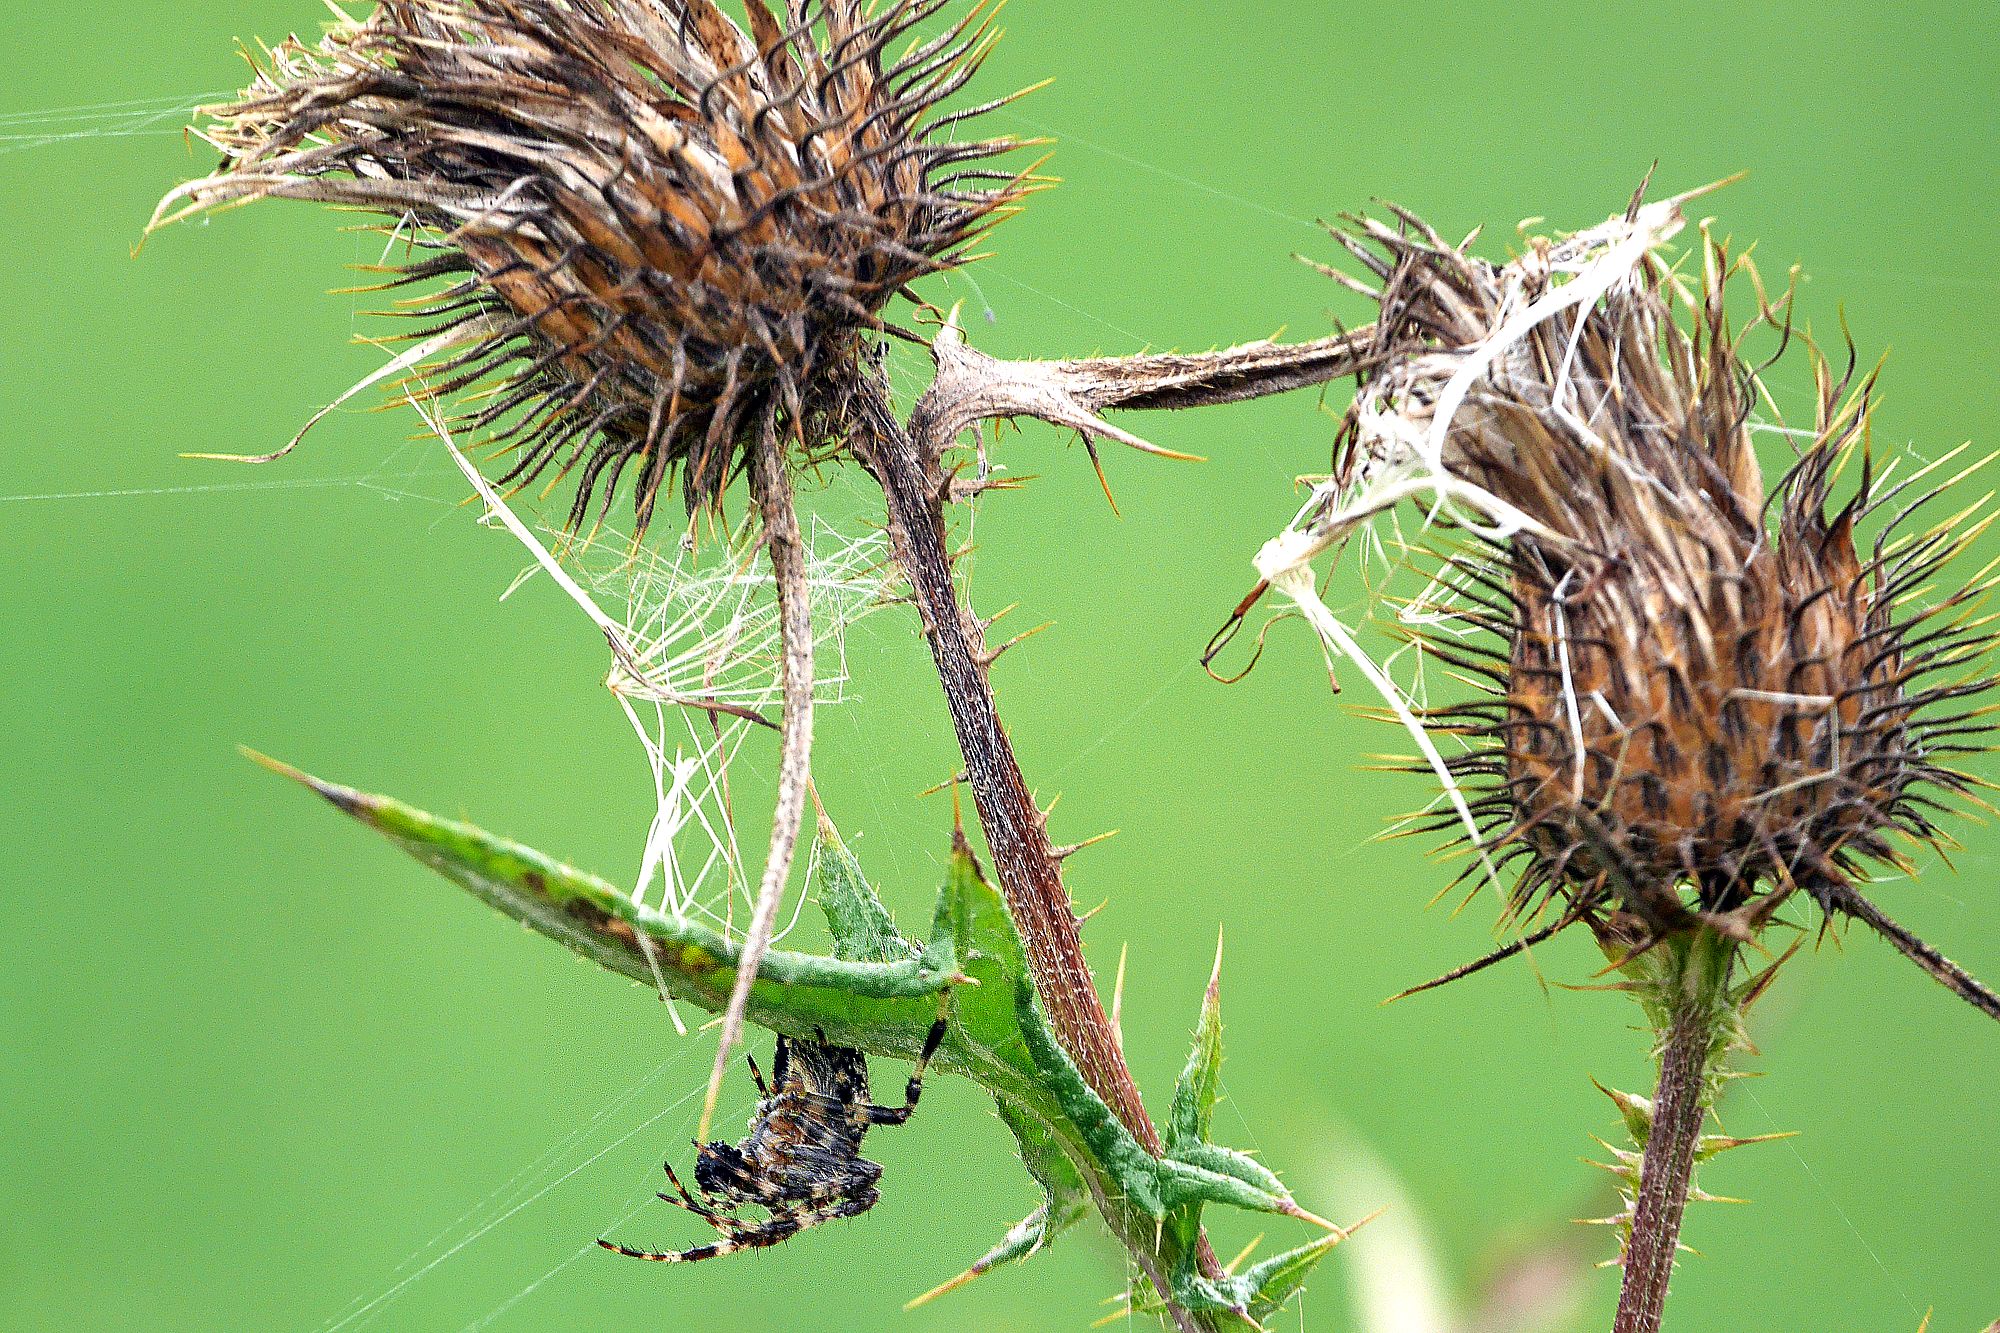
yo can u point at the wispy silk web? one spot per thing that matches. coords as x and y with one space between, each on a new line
695 668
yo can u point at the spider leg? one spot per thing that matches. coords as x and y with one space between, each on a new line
693 1256
896 1115
688 1201
714 1219
757 1076
758 1236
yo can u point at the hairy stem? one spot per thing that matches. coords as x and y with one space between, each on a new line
1698 1018
788 570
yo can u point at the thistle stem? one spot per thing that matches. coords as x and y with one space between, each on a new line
913 484
1699 1023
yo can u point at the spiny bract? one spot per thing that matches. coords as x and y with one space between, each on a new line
1703 695
666 236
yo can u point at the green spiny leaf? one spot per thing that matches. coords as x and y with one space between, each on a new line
884 1008
1208 1173
1200 1085
1276 1280
1135 1171
862 929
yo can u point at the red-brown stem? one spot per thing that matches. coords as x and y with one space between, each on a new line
913 483
1665 1174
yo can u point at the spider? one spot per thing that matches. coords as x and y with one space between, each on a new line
802 1161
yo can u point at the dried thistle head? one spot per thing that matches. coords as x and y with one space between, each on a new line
665 238
1703 694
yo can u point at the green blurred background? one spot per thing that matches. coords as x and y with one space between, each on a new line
255 1061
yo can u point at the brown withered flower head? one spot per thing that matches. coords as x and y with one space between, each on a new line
1703 694
664 237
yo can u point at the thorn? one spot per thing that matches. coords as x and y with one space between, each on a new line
1636 1111
964 492
988 622
1339 1233
1522 945
988 656
1090 447
1630 1156
1236 1263
1085 919
278 766
962 776
1753 990
1627 1163
1622 987
1712 1145
1069 849
341 798
941 492
943 1289
1118 1001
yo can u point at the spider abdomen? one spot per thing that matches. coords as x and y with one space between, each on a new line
801 1161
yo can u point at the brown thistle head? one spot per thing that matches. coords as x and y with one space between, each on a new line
664 238
1703 694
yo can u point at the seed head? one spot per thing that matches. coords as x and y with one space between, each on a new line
1703 694
665 238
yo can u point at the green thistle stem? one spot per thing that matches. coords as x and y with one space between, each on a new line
1689 999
